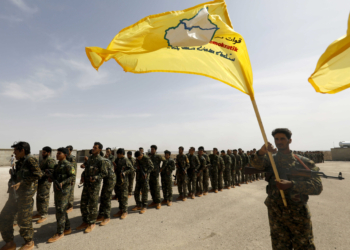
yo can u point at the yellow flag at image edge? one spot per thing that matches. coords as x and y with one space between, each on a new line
199 40
332 73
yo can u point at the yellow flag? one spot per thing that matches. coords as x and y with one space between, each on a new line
199 40
332 73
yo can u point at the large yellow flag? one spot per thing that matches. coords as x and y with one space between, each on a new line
332 73
199 40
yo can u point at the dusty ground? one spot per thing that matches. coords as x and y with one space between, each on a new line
233 219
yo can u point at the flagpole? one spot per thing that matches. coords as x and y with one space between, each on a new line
266 144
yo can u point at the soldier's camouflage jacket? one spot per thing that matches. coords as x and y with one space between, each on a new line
71 159
194 163
46 164
238 161
302 186
202 163
245 159
110 157
182 161
156 160
168 167
123 166
145 164
227 160
233 162
95 167
133 162
216 163
64 172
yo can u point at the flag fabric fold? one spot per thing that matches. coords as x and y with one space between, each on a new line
332 73
199 40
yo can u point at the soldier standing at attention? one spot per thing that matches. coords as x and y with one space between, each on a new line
154 177
233 168
238 167
227 173
64 173
215 165
71 159
221 172
205 171
244 158
144 166
43 194
192 173
290 226
182 164
167 182
123 169
109 155
26 176
109 181
95 170
131 176
203 164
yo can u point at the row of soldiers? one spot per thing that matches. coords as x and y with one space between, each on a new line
315 156
193 171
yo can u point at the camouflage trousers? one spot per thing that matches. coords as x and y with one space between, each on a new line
167 186
227 177
122 195
131 178
220 180
192 181
205 180
182 184
233 177
61 204
106 196
291 230
238 176
71 196
89 201
214 178
154 186
141 185
199 182
43 198
24 207
244 177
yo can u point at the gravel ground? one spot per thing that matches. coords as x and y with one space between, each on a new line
232 219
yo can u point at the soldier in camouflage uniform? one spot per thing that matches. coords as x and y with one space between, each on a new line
227 173
238 179
182 164
245 161
291 226
122 170
154 177
64 173
25 183
203 165
109 182
95 170
143 166
205 172
43 194
233 168
71 159
221 171
131 176
216 167
167 182
192 173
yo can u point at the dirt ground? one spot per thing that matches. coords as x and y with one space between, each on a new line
232 219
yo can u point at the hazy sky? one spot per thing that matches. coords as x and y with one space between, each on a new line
51 96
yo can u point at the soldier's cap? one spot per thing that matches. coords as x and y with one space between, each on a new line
167 152
129 153
137 154
63 150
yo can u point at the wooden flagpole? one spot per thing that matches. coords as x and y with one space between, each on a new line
266 143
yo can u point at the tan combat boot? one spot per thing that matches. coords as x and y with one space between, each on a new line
82 226
200 195
192 196
90 228
136 208
205 193
69 210
238 185
118 214
67 231
233 186
37 216
216 191
143 210
9 246
158 206
105 222
41 220
220 189
124 216
55 238
184 199
152 204
28 246
169 203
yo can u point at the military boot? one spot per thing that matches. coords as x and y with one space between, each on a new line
90 228
153 204
136 208
9 246
216 191
41 220
69 210
37 216
55 238
143 210
118 214
169 203
158 206
28 246
105 222
82 226
67 231
124 215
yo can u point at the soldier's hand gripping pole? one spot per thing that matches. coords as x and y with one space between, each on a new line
266 144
